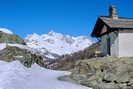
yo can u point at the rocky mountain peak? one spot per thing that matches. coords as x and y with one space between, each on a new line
57 43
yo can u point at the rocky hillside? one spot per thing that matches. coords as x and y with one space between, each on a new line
7 36
12 47
12 53
105 73
67 62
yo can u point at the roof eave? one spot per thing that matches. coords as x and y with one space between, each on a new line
96 31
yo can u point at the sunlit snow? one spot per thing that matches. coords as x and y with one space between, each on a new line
2 46
13 75
6 31
58 43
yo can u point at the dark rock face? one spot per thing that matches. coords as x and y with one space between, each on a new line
105 73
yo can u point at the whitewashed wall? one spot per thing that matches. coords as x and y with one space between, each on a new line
126 43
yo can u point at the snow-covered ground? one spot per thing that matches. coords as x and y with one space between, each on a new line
2 46
14 75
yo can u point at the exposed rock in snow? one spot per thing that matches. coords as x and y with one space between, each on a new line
4 45
45 55
6 31
13 75
57 43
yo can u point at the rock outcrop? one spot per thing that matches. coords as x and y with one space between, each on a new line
27 58
105 73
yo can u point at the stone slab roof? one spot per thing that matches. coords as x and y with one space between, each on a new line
118 23
112 25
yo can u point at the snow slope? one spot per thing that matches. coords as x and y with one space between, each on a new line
6 31
2 46
32 50
14 75
57 43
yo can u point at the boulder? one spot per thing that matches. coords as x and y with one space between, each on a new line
27 58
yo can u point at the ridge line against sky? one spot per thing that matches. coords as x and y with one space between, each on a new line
73 17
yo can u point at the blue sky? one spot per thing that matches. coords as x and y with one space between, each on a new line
74 17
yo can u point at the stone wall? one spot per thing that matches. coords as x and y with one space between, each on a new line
113 43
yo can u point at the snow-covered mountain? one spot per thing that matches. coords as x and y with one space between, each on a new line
50 46
57 43
6 31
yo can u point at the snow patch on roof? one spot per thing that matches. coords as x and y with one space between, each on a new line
5 30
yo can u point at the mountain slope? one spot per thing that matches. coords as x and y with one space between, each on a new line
57 43
25 56
49 46
12 47
67 62
6 36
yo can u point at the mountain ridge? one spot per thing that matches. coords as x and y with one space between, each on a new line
57 43
50 46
